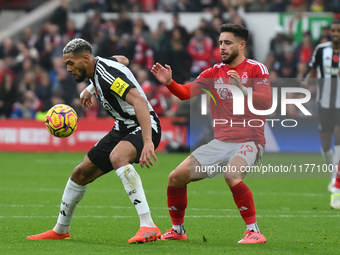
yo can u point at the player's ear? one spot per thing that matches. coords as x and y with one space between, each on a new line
86 57
242 45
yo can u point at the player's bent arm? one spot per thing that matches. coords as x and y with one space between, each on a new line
141 108
262 97
122 59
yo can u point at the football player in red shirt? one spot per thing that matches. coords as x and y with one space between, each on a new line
235 146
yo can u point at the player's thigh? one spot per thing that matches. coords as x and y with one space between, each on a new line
123 153
245 155
185 173
214 156
135 138
100 152
86 172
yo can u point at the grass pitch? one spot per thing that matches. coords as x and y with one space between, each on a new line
293 213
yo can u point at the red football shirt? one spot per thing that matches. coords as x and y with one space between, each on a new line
235 128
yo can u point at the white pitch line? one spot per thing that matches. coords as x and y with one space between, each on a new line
192 192
165 208
163 216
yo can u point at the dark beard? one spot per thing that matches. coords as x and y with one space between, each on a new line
82 76
231 58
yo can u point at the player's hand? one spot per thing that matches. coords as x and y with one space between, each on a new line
147 152
162 74
235 78
85 99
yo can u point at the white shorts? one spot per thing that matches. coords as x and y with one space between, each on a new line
216 154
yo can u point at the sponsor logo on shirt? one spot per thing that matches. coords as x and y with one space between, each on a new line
119 86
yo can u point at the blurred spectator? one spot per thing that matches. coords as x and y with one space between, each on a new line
8 51
200 48
29 38
71 30
259 6
278 6
297 6
94 5
43 90
66 86
166 5
276 43
317 6
161 40
184 6
143 54
8 95
156 99
5 70
25 108
305 49
182 30
125 24
325 35
125 46
59 16
180 60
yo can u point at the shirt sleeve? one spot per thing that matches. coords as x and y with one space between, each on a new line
191 89
262 92
314 63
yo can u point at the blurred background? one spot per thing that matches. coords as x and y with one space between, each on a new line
181 33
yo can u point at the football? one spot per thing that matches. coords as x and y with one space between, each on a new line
61 120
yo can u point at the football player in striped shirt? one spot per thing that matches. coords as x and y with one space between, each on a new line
133 139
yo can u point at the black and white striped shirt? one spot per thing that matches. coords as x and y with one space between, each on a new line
112 81
327 64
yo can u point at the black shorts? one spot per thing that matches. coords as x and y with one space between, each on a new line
100 153
328 119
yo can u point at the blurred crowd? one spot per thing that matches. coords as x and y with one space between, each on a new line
33 76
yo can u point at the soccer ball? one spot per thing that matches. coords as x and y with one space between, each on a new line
61 120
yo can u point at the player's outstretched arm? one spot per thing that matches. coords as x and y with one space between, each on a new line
162 74
122 59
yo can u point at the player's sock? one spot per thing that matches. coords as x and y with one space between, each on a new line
177 203
134 188
245 203
253 227
73 193
179 229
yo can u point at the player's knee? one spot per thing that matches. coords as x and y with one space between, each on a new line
82 175
176 179
117 160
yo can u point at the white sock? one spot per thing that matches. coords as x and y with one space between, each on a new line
253 227
179 229
73 193
133 187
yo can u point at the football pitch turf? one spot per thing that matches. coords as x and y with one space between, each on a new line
293 213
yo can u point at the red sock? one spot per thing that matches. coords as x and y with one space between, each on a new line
337 179
245 203
177 203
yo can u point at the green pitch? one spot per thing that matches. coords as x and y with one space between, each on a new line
293 213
